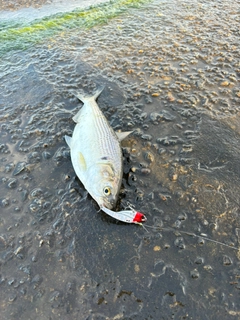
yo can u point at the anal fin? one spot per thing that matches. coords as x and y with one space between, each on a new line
68 141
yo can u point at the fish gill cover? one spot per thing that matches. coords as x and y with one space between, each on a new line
16 36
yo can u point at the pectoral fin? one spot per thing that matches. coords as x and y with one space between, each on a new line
123 135
82 162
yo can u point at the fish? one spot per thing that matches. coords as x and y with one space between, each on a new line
96 152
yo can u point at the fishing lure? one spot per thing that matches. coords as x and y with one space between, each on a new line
133 216
128 216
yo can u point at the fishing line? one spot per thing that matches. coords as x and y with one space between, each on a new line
188 234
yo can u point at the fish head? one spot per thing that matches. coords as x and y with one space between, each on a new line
109 196
105 185
106 194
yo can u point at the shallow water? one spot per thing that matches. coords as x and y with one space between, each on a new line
171 73
27 11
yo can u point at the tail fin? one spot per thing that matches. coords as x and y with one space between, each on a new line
85 98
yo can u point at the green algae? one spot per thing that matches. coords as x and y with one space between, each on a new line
21 37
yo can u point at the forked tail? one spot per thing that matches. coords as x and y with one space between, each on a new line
84 97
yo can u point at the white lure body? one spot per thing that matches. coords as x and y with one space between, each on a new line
128 216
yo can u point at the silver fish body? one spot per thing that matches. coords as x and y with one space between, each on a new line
96 153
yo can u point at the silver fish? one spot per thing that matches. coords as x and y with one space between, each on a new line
96 152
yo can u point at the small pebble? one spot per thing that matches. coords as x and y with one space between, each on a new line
227 261
194 274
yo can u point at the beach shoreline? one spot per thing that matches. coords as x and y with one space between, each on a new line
30 10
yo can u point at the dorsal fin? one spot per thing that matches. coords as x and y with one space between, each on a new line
123 135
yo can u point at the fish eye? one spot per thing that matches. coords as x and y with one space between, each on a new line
107 191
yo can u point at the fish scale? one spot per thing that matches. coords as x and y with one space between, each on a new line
105 138
105 142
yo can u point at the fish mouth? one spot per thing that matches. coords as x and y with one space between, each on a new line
105 203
